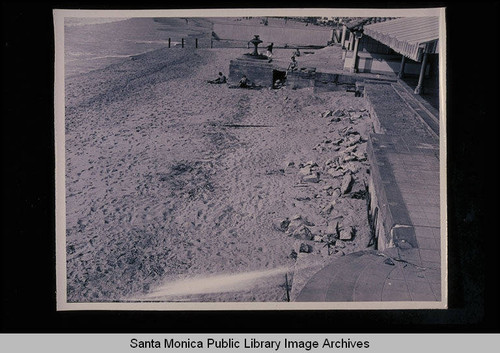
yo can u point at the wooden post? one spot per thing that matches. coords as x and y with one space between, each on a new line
182 43
354 67
169 42
342 40
196 42
419 87
211 43
401 72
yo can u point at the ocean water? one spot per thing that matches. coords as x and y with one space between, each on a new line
94 43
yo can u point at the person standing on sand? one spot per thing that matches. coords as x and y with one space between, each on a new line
269 52
293 65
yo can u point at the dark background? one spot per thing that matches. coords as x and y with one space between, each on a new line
28 300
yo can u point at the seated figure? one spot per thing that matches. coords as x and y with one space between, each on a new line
219 80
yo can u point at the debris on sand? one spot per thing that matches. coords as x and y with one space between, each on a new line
311 178
305 248
281 224
347 182
303 233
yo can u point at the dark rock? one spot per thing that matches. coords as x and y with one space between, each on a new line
338 253
311 164
305 248
311 178
353 140
338 113
294 225
327 114
347 183
302 233
281 224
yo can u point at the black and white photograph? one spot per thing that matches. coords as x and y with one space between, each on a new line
250 159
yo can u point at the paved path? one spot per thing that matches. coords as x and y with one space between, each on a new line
372 276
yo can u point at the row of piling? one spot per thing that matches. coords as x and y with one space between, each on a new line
183 43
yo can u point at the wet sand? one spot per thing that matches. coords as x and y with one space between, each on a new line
169 178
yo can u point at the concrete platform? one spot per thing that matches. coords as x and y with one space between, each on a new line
257 71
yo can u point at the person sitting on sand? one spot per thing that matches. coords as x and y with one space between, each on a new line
278 84
245 82
219 80
293 65
297 52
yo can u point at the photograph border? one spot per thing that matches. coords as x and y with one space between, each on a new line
63 304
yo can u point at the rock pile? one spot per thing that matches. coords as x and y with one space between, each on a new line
337 176
297 226
309 172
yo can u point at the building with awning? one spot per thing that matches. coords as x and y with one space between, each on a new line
409 36
402 46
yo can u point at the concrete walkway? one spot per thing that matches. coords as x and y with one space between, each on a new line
404 160
372 276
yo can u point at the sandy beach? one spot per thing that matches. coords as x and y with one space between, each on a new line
170 179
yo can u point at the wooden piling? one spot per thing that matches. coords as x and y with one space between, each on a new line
169 41
182 43
196 42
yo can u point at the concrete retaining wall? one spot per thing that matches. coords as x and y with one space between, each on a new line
393 219
301 79
259 72
322 82
377 217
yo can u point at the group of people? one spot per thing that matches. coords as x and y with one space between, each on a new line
269 52
246 83
243 83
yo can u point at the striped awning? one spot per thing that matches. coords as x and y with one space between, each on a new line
408 36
